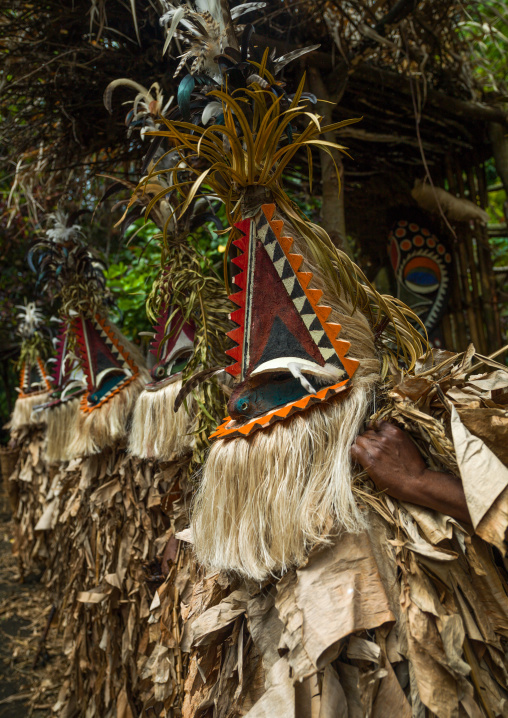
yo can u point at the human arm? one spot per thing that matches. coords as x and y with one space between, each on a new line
395 465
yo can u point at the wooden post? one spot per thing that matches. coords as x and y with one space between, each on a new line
332 211
458 289
469 268
495 337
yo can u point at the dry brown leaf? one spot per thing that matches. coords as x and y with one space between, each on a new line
491 426
338 592
333 699
483 475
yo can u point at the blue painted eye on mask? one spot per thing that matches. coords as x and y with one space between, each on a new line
105 388
279 389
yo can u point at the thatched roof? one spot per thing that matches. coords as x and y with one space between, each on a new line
389 55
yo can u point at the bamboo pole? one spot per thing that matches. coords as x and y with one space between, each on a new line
486 268
468 259
446 326
461 290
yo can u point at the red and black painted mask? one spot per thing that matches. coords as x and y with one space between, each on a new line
288 356
107 366
34 378
173 347
67 376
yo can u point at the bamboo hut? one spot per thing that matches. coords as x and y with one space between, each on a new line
410 70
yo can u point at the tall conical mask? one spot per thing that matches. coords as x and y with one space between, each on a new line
289 356
34 379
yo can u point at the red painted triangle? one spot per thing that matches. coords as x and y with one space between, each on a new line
234 353
236 335
98 356
271 303
238 298
238 316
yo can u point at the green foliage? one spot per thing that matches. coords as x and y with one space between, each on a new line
486 33
131 275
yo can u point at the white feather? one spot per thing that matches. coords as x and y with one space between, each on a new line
60 232
29 319
284 60
177 16
240 10
211 6
211 110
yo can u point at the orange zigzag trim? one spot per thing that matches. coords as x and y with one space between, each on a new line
44 375
47 380
84 399
22 378
231 429
313 295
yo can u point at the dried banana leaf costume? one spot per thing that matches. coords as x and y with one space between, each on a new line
339 602
188 308
106 516
30 479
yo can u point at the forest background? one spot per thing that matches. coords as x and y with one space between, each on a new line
60 147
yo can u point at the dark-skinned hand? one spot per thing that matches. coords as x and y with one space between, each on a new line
395 465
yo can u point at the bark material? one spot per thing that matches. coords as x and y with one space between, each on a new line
499 141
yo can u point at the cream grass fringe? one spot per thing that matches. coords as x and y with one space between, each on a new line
265 501
157 432
98 429
22 413
61 423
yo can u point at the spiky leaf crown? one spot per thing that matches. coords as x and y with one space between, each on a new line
65 267
29 319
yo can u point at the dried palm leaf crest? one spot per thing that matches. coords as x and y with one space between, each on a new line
189 309
65 267
34 381
187 305
188 293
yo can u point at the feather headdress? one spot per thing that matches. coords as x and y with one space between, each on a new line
207 30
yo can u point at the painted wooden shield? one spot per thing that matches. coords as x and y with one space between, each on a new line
422 266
